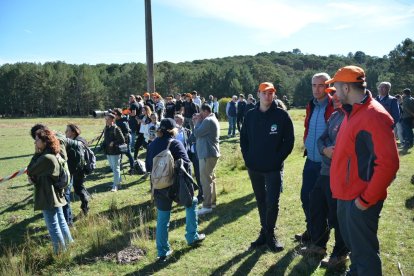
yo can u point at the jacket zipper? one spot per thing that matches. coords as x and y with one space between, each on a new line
348 171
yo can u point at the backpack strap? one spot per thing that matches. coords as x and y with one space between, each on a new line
169 143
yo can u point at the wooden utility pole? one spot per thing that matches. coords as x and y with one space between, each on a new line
150 55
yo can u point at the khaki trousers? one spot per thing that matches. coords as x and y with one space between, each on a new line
208 180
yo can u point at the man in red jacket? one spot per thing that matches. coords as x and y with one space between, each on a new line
365 162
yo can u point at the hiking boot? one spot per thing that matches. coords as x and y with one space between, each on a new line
304 237
85 207
272 243
334 261
261 240
313 250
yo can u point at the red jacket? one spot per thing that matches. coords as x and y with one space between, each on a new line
309 110
365 160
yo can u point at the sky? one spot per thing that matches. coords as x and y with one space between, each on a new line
113 31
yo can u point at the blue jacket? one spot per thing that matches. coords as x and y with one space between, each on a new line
390 104
266 139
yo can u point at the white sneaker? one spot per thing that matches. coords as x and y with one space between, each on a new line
204 211
114 189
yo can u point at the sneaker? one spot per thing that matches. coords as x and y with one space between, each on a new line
304 237
162 259
313 250
201 237
204 211
334 261
272 243
115 189
261 240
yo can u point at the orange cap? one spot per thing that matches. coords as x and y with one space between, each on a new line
266 87
330 89
348 74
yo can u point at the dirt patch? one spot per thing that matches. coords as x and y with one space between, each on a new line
127 255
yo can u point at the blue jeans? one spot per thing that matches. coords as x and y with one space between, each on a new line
267 188
67 210
129 154
232 125
311 172
58 229
359 230
163 222
114 163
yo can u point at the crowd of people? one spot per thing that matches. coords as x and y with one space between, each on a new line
350 149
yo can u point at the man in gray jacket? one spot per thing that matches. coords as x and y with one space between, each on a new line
207 133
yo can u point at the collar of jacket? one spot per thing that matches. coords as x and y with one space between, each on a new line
273 106
352 109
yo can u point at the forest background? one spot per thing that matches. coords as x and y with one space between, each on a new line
60 89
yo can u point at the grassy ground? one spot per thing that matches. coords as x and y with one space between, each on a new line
118 220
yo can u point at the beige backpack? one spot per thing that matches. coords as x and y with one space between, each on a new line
162 174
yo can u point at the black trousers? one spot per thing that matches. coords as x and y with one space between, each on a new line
80 189
267 187
240 121
322 211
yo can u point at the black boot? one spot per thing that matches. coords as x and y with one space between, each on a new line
85 207
272 243
261 240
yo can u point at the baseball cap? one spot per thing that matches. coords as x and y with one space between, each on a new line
167 124
266 87
330 89
348 74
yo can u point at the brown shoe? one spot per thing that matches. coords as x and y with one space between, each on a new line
333 262
313 250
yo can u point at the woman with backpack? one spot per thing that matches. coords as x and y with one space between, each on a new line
163 198
43 171
113 138
76 170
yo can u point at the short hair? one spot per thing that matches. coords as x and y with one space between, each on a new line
194 93
74 128
407 91
35 128
49 138
321 75
234 97
386 84
206 107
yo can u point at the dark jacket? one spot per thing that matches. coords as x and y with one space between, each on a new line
44 169
161 196
124 126
390 104
112 134
241 108
365 159
266 139
328 138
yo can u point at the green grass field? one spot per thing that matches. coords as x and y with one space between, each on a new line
119 220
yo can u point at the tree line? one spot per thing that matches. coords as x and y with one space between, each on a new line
60 89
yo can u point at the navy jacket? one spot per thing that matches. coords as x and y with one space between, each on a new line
266 138
390 104
160 144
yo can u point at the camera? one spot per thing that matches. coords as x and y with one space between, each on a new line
100 113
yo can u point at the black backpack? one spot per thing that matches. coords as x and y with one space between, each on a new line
90 160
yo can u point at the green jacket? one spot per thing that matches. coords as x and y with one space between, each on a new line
43 169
